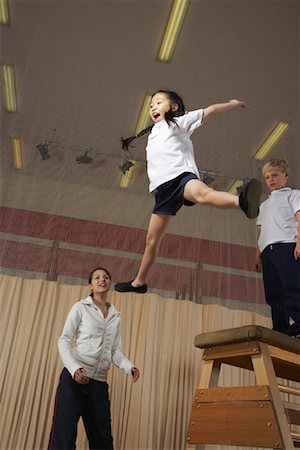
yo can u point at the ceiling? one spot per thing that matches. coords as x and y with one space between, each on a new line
84 67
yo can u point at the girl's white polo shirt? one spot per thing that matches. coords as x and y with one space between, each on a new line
170 151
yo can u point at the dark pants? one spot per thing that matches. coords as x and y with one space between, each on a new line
89 401
281 275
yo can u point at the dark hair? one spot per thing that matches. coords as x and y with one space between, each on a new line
169 116
174 98
98 268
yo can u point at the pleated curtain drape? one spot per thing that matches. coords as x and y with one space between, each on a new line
157 336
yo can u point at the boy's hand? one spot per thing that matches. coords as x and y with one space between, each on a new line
258 265
297 251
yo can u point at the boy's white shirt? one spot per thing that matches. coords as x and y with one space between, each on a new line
277 217
97 340
170 151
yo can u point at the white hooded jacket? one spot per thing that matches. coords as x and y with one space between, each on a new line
97 340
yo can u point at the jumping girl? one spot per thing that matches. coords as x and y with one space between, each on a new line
174 176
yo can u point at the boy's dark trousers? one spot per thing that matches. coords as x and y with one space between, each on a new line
89 401
281 275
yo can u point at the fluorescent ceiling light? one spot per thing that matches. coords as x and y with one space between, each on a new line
235 185
274 137
173 29
4 14
9 91
127 176
144 118
16 148
143 121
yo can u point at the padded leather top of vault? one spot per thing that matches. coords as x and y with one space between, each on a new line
245 334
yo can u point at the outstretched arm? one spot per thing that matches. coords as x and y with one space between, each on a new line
221 107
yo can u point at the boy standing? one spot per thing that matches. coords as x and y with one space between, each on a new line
278 250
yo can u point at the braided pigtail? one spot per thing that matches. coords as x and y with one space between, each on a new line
126 142
170 116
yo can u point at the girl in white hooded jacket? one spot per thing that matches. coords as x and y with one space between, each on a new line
83 388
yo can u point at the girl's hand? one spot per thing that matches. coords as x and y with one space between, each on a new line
297 252
135 374
80 376
239 103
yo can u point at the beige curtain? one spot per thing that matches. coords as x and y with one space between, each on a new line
157 335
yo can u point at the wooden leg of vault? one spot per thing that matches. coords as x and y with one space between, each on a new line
209 377
265 375
210 372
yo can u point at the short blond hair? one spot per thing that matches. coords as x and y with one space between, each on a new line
277 163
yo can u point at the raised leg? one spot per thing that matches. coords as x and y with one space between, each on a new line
199 192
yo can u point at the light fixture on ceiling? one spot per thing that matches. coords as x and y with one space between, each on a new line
127 164
16 147
208 179
127 170
9 88
234 188
274 137
43 149
144 117
4 12
173 28
85 158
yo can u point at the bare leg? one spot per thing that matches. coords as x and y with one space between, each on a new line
198 192
156 230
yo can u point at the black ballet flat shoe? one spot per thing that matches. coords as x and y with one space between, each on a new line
249 198
126 286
